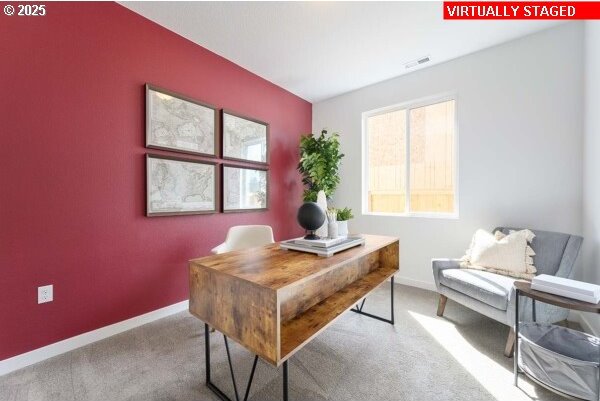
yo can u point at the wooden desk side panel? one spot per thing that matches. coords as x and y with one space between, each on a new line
296 299
241 310
390 256
297 332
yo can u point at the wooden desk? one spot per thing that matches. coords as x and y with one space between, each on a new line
273 301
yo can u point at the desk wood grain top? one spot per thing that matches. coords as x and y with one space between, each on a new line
275 268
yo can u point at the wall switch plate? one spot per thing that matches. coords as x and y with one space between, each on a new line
45 294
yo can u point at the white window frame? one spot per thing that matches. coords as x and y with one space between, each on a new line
425 101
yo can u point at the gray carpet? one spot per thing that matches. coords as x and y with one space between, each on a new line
423 357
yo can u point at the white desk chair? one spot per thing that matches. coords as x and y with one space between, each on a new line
242 237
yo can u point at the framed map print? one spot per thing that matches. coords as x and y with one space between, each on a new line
245 189
176 186
245 138
175 122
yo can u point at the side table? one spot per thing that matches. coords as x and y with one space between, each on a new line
562 360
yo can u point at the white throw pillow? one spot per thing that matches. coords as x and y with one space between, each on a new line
509 255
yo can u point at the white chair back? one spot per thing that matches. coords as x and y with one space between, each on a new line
242 237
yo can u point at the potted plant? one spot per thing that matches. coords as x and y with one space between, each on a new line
319 164
343 215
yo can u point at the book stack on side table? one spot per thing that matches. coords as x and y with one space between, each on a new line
567 288
322 247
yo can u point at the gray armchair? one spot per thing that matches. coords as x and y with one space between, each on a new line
493 295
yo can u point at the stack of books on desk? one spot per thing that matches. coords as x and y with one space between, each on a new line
567 288
322 247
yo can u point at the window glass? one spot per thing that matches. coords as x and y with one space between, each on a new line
426 172
432 158
387 162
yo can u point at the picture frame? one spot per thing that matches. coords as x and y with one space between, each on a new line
179 123
244 138
178 186
244 188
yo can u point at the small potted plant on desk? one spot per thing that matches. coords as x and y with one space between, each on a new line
343 215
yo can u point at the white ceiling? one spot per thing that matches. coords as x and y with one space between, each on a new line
318 50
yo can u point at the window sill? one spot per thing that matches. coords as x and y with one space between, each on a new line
446 216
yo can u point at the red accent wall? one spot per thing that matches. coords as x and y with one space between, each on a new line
72 170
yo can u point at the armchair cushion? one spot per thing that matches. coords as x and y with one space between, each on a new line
489 288
439 265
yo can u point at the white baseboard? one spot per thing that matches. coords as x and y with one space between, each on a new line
587 322
425 285
69 344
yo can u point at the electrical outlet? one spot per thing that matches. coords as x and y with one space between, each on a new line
45 294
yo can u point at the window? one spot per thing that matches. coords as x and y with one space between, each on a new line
410 159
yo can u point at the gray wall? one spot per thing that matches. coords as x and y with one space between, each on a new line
520 111
591 166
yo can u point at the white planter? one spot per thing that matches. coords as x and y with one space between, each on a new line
342 228
322 202
332 230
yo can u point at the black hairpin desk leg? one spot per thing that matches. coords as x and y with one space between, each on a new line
359 309
217 390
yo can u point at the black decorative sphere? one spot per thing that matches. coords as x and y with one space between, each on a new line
311 217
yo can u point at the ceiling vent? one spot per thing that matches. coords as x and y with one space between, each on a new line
417 62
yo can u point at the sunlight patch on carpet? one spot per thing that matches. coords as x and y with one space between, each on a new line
496 379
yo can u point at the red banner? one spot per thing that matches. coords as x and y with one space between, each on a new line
521 10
